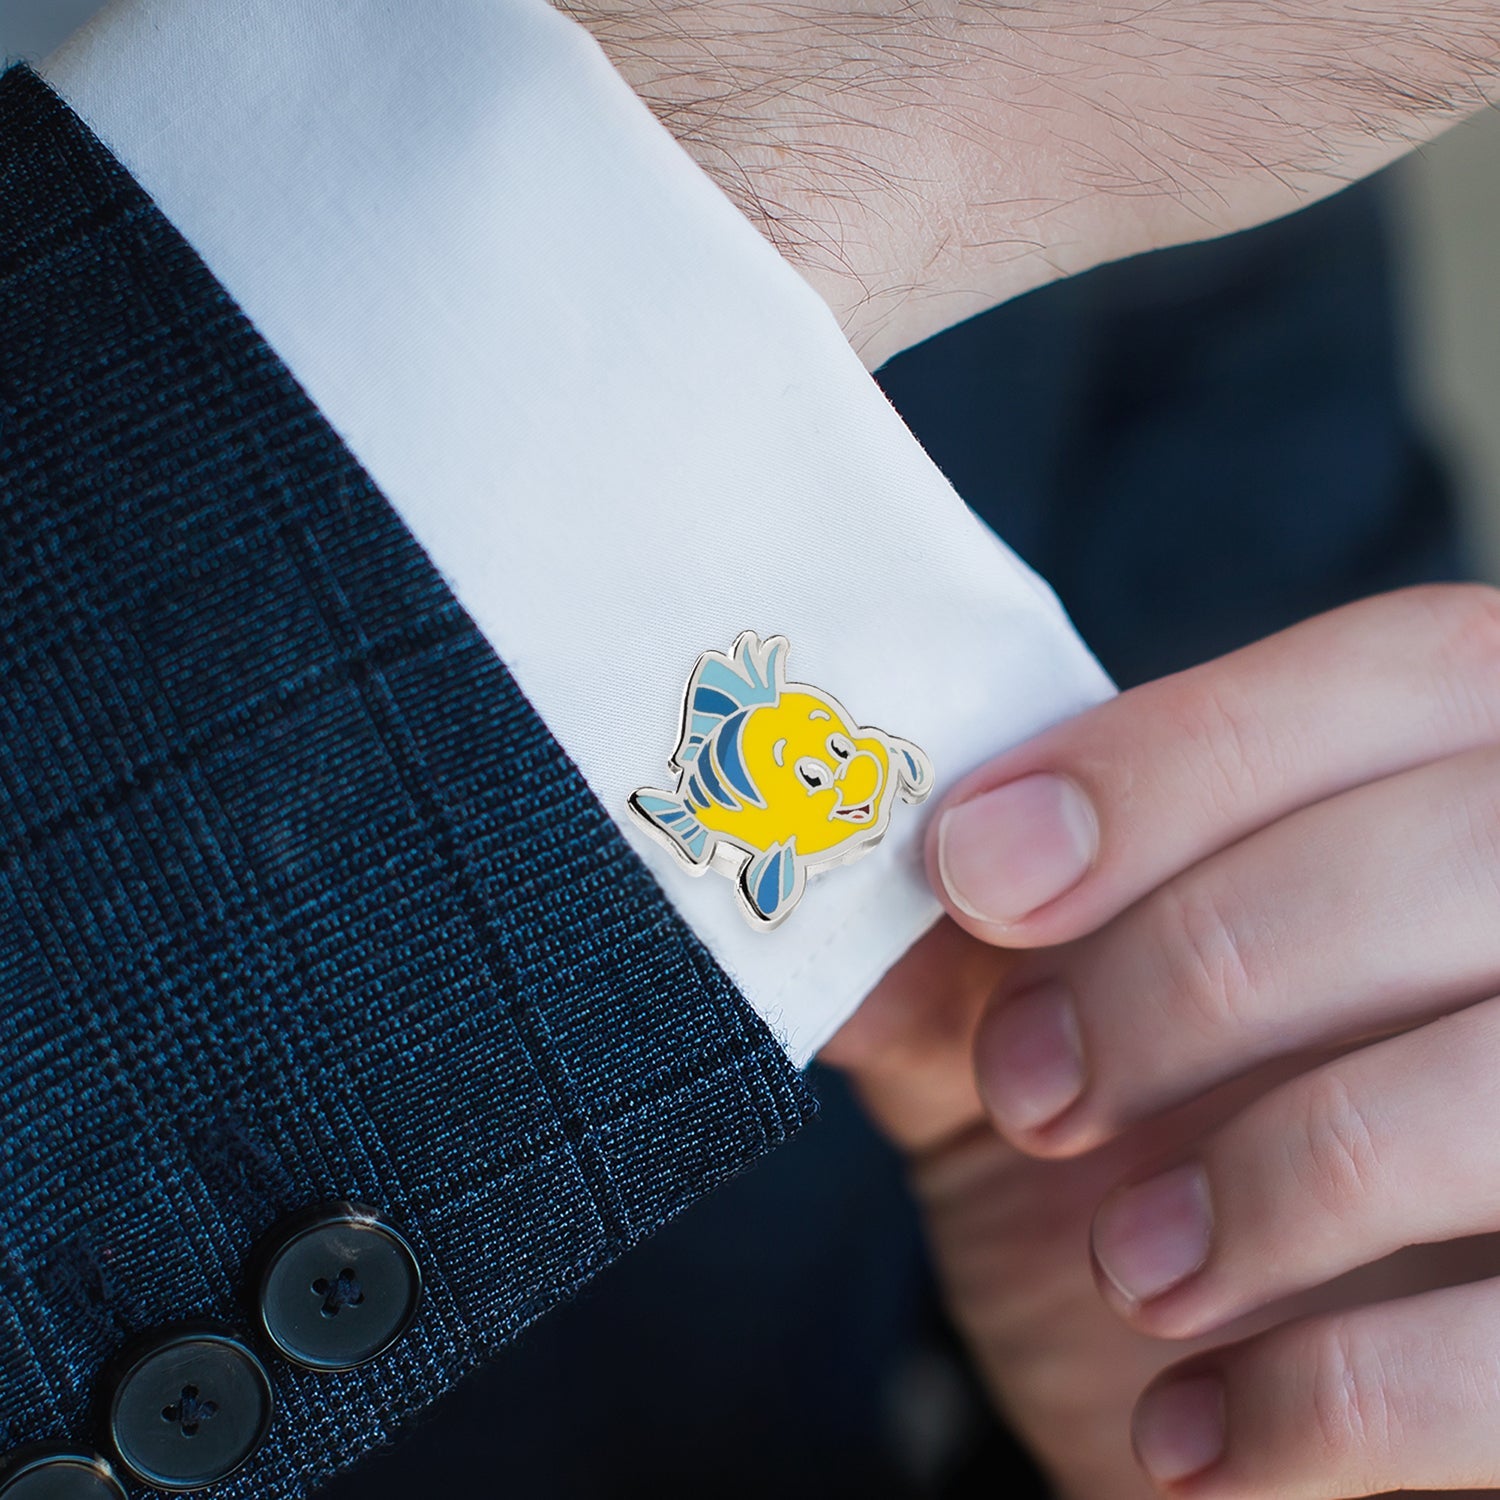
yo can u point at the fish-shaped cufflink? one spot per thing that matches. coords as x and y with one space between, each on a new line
775 781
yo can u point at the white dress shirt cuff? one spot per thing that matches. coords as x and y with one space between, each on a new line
619 423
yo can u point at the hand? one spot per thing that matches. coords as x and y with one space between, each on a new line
919 162
1009 1234
1263 904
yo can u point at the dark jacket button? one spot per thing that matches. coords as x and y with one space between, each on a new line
185 1406
57 1471
336 1286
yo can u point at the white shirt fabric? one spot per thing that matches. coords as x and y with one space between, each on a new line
622 427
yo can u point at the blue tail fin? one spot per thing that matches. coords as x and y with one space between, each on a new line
772 882
666 814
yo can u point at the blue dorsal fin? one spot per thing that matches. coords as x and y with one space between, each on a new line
761 664
723 685
772 882
670 816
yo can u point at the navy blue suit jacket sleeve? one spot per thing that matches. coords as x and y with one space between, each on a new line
299 901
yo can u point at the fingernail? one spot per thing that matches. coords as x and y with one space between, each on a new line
1029 1058
1179 1429
1150 1237
1007 852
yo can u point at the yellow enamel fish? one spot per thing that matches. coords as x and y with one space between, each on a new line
774 779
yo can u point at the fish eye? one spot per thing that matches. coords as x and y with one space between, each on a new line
814 774
840 746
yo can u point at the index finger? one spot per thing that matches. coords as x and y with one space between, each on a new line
1053 839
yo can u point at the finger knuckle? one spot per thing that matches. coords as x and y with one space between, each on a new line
1354 1418
1335 1149
1227 745
1471 616
1474 816
1207 949
1466 619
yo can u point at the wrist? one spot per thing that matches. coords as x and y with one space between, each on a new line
789 122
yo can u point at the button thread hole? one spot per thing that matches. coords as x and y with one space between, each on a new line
189 1412
342 1291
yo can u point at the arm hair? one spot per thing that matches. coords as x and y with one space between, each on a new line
919 161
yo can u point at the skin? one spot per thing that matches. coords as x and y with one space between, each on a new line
1283 955
1283 962
920 160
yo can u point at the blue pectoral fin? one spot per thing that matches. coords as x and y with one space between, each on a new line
913 770
772 882
666 814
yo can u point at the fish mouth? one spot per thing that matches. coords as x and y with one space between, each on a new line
861 814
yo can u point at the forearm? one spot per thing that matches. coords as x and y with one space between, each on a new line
921 162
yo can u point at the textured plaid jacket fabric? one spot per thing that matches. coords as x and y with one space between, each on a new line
298 898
